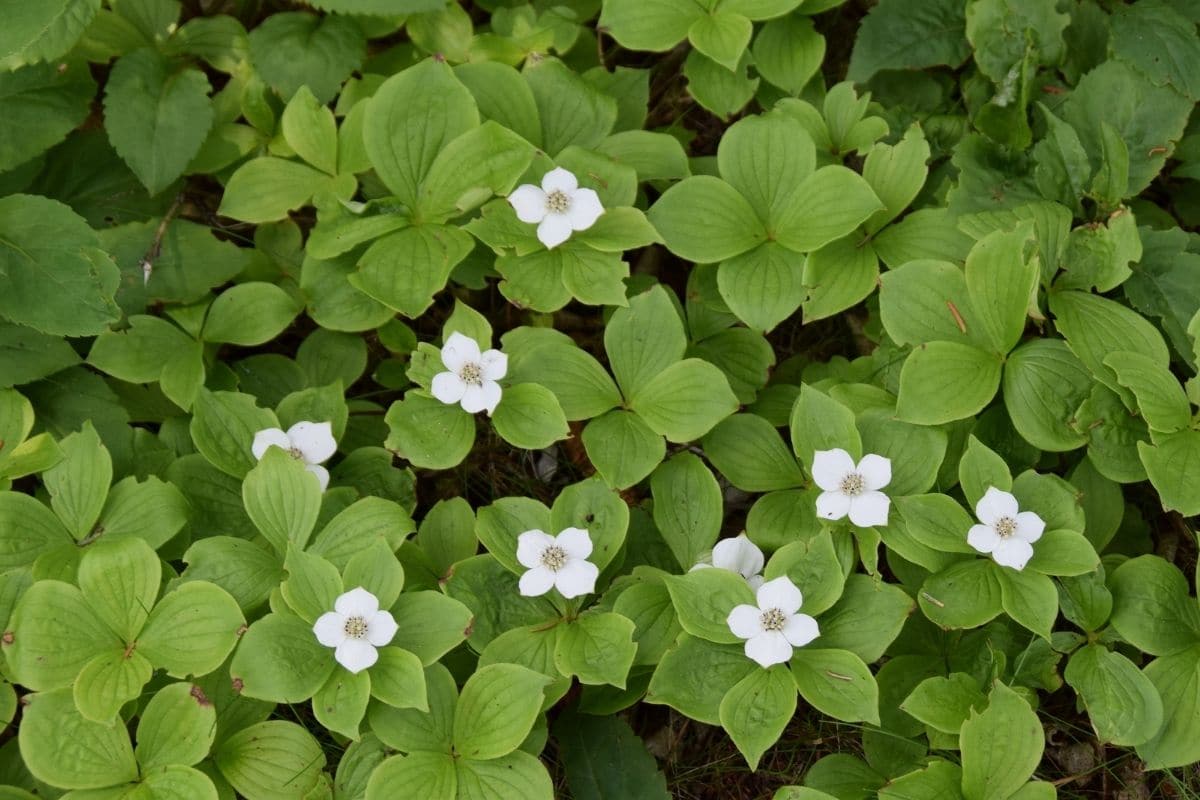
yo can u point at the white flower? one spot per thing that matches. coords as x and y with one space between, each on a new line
558 208
1006 532
739 555
774 627
310 442
471 379
356 626
558 562
852 489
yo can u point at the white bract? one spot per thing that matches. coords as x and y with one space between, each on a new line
774 627
1005 531
739 555
558 208
471 376
310 442
355 627
852 489
557 562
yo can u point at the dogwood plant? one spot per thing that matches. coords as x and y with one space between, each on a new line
470 376
559 207
310 442
1004 531
355 628
739 555
852 489
774 627
556 562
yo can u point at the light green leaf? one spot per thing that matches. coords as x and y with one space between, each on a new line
310 129
757 709
273 759
703 600
622 447
62 748
685 400
643 339
529 417
55 633
265 189
597 648
109 681
1001 747
837 683
763 286
192 630
283 499
827 205
496 710
429 433
999 283
687 507
404 270
177 726
280 660
751 454
1177 680
1122 703
944 381
78 484
704 219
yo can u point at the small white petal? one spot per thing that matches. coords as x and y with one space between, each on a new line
536 581
832 505
1013 552
357 602
265 438
448 387
529 202
869 509
780 593
493 365
995 505
381 628
576 542
739 555
876 471
491 396
769 649
585 209
473 400
356 654
531 545
459 350
754 582
830 467
800 629
559 180
321 473
554 230
314 440
330 629
577 577
1029 526
983 538
745 621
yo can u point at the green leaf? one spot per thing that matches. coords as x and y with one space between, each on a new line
1173 465
591 505
866 619
1029 598
192 630
837 683
398 679
751 454
1160 398
62 748
897 35
27 355
722 92
45 31
657 25
120 579
280 660
926 301
313 584
404 270
482 162
1177 680
272 759
945 703
1044 385
247 571
819 422
644 339
687 507
757 709
703 600
722 36
896 173
109 681
1122 703
597 648
916 451
295 49
430 624
944 381
156 116
55 633
433 775
529 417
813 565
518 772
839 275
827 205
572 111
412 116
283 499
685 400
340 704
1063 552
79 483
999 283
704 219
177 726
42 105
603 758
138 353
44 243
927 233
496 710
788 52
1158 41
249 314
1151 606
1001 747
695 675
981 468
964 595
310 129
765 158
622 447
763 286
429 433
265 189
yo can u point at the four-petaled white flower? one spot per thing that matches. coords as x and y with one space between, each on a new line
355 627
557 562
739 555
558 208
774 627
471 377
1006 533
851 489
310 442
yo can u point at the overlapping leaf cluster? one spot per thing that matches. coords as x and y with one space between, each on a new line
219 218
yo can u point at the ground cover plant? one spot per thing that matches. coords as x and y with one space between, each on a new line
599 399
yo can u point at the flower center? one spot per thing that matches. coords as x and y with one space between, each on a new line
554 558
295 453
852 484
471 373
557 202
1006 527
773 619
355 627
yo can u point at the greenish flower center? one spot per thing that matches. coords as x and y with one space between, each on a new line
773 619
554 558
852 484
355 627
557 202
